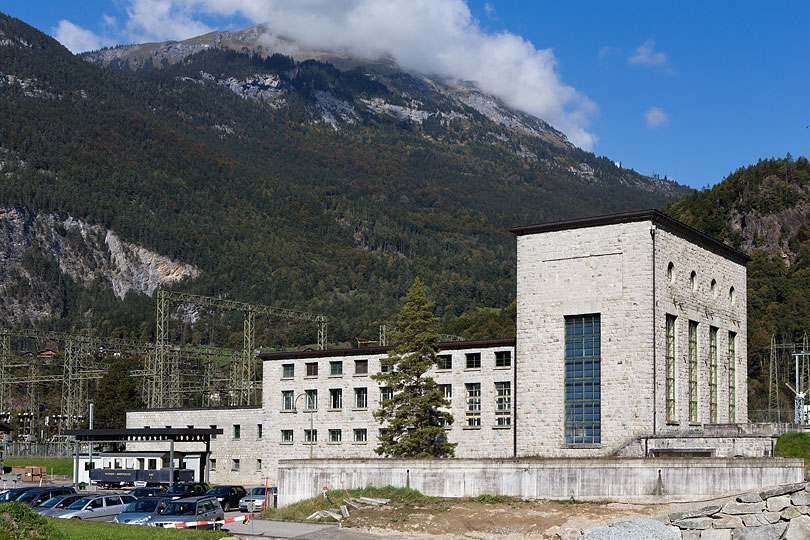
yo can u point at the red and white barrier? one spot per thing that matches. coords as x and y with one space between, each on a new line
203 523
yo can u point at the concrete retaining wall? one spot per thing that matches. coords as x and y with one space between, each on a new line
540 478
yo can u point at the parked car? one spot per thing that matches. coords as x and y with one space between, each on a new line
37 496
142 492
11 495
57 503
256 496
96 507
228 496
205 508
187 489
138 512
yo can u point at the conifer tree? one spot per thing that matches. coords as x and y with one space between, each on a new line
416 411
117 392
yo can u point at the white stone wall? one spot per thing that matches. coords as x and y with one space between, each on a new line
608 270
225 448
488 440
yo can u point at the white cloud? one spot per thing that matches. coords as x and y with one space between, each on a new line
438 37
76 38
656 118
647 56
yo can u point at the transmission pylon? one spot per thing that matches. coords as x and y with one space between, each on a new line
773 386
5 360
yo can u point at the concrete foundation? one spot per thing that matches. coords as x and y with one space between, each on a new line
609 478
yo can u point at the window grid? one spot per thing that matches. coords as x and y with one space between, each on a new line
473 360
473 412
311 399
693 372
713 374
732 377
503 403
445 361
360 435
361 398
287 400
288 370
447 391
312 369
336 368
361 367
670 367
503 358
385 393
310 436
335 398
583 379
335 435
286 435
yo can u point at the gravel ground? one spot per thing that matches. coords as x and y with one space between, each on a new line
637 529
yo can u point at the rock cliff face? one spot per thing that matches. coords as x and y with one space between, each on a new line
37 251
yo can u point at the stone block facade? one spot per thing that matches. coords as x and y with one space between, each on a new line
627 272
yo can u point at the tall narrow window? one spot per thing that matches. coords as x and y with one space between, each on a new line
670 367
713 374
503 403
583 402
693 375
287 400
360 398
447 391
335 398
311 399
473 412
385 393
732 377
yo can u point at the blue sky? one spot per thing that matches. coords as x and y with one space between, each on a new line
690 90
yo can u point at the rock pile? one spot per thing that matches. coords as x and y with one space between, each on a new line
773 514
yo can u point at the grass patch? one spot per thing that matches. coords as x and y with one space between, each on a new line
794 445
303 509
75 529
18 521
493 499
61 466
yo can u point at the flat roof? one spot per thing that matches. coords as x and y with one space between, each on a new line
360 351
654 216
145 434
214 408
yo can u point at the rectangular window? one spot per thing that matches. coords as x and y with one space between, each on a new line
473 360
287 400
212 462
447 391
503 358
360 398
235 464
237 431
360 435
312 369
385 393
258 431
360 367
335 398
693 372
713 374
213 435
335 435
670 367
258 465
288 371
732 377
336 368
386 366
310 436
286 435
503 403
473 411
311 399
583 404
445 361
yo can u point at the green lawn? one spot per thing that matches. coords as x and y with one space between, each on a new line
74 529
62 466
794 445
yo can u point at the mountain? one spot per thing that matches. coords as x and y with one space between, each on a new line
764 210
280 180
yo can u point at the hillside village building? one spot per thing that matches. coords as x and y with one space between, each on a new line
629 326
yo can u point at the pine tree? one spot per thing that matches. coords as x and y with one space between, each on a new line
415 413
117 392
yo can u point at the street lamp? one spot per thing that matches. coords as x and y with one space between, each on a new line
311 415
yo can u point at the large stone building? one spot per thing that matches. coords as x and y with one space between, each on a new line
629 325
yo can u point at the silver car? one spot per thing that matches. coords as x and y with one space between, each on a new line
256 496
96 508
57 503
138 512
205 508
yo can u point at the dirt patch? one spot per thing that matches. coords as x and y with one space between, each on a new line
512 519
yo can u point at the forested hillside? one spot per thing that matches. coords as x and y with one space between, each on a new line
285 183
764 209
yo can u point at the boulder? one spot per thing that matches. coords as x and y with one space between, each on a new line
790 512
743 508
766 532
777 504
798 528
781 490
750 498
800 498
699 523
728 522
